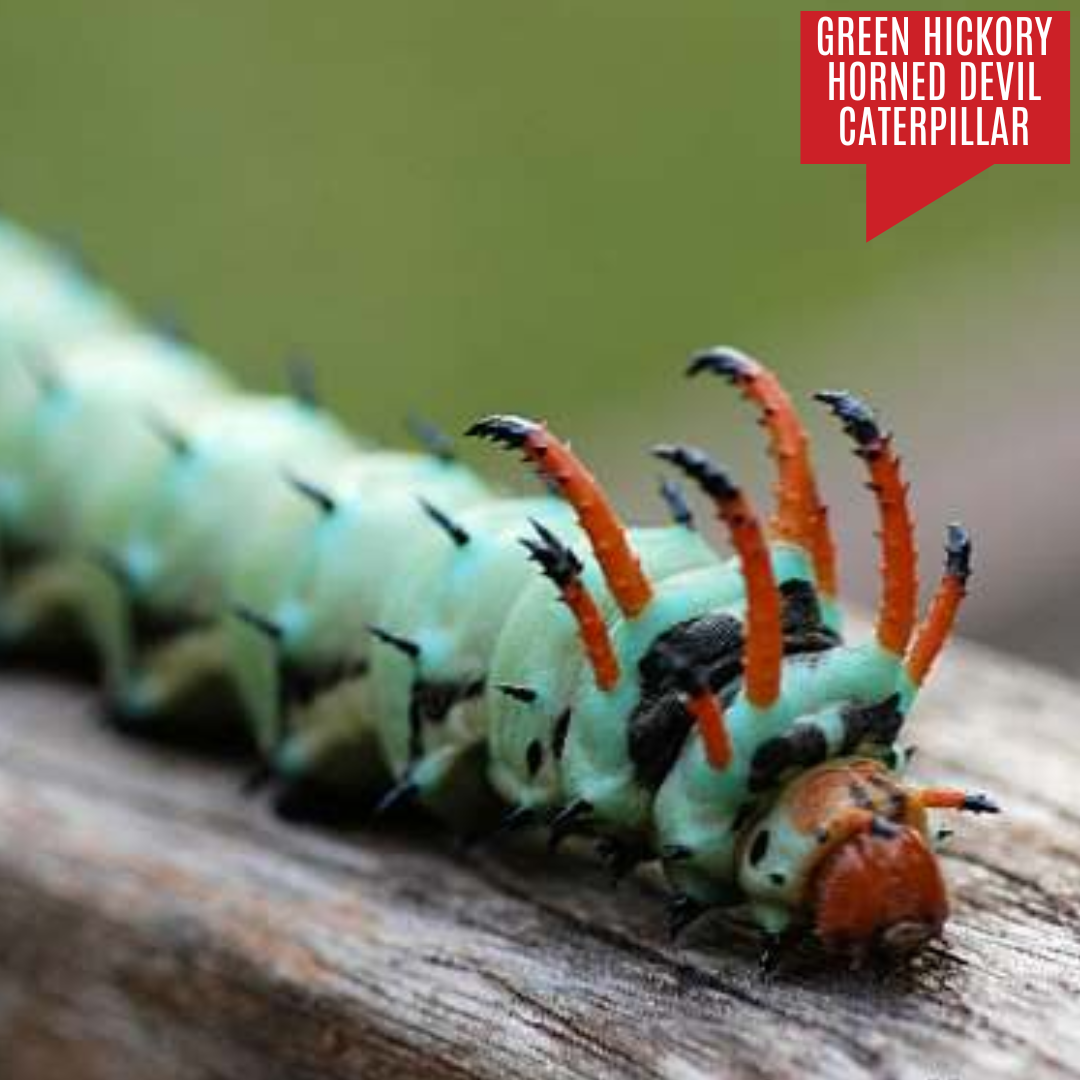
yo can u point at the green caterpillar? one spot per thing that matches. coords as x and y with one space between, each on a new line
377 619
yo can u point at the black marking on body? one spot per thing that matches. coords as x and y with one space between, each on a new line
759 847
523 694
745 812
302 684
802 746
534 757
877 724
431 702
559 733
711 646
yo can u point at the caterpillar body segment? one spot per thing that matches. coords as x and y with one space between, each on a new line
100 405
800 518
81 461
430 708
219 530
536 647
390 628
309 690
47 308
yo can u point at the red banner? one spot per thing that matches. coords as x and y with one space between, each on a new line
929 99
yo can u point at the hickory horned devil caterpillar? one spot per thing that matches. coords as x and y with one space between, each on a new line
371 616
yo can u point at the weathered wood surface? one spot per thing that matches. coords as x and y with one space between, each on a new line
154 922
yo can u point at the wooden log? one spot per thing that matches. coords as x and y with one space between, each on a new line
157 923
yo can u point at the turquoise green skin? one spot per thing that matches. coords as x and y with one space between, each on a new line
539 648
376 540
45 307
453 605
175 533
220 528
77 378
696 805
77 514
694 810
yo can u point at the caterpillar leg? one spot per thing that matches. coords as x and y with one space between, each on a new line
43 612
328 767
182 690
261 685
452 783
516 819
34 597
332 748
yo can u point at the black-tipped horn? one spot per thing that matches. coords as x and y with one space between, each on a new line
857 417
958 552
555 559
511 431
722 360
696 464
458 535
301 379
431 437
169 434
403 645
318 496
675 500
267 626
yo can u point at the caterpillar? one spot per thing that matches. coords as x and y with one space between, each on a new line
389 628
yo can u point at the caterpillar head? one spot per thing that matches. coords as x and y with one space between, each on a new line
846 849
843 846
881 885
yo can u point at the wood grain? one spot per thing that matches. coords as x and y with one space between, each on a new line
156 923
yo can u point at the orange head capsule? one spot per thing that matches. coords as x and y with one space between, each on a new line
882 889
844 850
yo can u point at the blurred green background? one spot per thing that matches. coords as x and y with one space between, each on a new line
460 207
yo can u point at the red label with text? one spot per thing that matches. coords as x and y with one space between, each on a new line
928 100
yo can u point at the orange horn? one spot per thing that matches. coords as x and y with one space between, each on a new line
941 618
764 631
557 465
801 517
899 571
